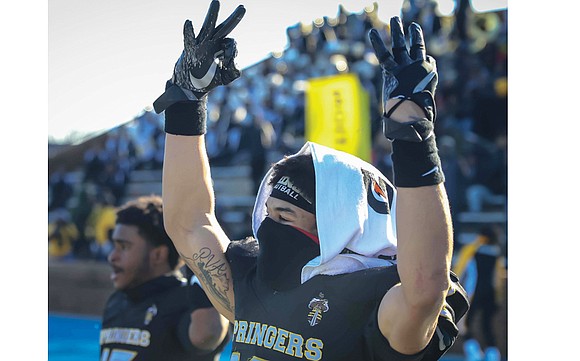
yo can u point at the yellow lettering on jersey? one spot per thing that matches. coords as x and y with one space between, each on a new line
270 337
278 339
295 342
127 336
242 326
250 329
313 350
134 336
281 340
259 333
145 339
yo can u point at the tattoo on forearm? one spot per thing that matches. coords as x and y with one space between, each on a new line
213 274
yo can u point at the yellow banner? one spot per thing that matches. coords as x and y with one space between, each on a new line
337 114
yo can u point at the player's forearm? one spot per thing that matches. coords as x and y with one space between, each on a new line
424 233
190 220
187 189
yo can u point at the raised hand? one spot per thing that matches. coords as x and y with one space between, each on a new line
207 61
407 74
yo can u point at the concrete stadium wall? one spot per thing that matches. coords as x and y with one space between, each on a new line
80 287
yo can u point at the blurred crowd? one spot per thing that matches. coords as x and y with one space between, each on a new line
261 115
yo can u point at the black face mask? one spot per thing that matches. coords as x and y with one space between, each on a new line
284 250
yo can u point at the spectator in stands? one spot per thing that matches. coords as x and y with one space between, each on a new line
114 181
94 160
481 267
62 235
143 132
80 212
259 137
488 180
100 225
60 190
120 143
455 179
155 313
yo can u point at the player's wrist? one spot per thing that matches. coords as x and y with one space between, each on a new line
416 164
404 112
416 161
186 118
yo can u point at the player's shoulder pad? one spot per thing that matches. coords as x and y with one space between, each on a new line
242 255
247 247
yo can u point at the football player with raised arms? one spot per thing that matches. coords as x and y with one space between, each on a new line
342 265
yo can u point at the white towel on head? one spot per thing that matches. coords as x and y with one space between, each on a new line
342 263
354 209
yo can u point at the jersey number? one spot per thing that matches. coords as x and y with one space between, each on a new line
236 357
117 355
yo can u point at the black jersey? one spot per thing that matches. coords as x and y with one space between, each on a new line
317 320
150 322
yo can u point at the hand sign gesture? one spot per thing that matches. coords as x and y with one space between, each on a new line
207 60
410 75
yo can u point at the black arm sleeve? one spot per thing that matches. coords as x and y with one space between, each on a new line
455 307
379 348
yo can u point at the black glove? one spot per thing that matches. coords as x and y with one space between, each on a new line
206 61
410 75
407 76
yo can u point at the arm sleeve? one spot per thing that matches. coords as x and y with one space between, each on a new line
456 305
379 348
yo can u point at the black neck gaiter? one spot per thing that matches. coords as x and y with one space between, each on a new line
284 250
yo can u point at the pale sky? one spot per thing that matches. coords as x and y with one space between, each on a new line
109 59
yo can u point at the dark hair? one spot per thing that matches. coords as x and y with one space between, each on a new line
300 169
146 213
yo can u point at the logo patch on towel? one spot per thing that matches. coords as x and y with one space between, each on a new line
317 306
379 193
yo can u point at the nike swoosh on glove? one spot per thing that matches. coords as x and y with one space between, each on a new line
207 61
